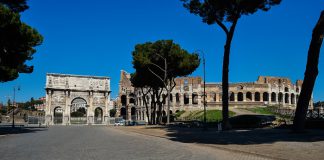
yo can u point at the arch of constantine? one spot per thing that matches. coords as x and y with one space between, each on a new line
188 95
76 99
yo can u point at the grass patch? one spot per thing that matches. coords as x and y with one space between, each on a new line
211 115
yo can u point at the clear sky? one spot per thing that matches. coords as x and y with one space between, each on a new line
97 37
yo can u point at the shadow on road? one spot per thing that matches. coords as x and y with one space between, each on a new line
19 130
240 137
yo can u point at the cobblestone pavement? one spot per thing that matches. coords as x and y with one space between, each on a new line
100 142
267 143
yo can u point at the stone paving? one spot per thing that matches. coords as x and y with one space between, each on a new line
101 142
267 143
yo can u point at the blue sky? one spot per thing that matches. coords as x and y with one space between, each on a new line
97 37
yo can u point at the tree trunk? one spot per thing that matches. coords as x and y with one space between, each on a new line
310 75
169 102
227 48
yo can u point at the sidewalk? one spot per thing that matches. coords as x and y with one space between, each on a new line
270 143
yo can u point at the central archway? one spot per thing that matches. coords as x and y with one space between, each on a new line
78 111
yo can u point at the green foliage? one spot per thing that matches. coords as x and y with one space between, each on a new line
112 112
178 114
17 41
211 115
77 114
148 56
215 11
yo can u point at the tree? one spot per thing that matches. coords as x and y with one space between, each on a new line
310 75
158 63
226 13
17 40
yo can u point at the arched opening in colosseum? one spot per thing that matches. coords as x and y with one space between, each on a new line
171 97
123 112
177 111
286 89
257 96
194 98
164 97
248 96
186 98
292 97
232 97
163 113
170 112
280 97
123 100
273 97
240 96
133 113
265 96
131 98
177 98
286 98
212 97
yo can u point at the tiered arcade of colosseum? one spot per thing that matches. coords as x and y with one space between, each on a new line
188 95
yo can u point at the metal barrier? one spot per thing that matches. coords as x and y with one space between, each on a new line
35 120
78 120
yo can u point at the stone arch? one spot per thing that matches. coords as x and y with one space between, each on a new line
286 89
123 100
213 96
257 96
240 96
248 96
231 98
273 97
123 112
280 97
164 98
286 98
265 96
98 115
78 111
194 98
177 98
292 97
186 98
58 115
133 113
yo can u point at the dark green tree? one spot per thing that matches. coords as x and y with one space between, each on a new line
17 40
310 75
158 64
226 13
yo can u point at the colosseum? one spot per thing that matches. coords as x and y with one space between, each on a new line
188 95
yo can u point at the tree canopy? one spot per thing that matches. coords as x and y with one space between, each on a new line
226 14
149 56
17 40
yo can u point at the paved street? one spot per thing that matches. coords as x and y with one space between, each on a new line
99 142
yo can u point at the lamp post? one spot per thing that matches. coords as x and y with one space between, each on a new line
14 104
204 94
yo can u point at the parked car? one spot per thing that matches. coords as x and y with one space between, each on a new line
120 123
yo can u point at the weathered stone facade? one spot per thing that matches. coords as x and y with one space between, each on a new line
87 95
188 95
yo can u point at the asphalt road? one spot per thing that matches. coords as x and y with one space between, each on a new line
100 142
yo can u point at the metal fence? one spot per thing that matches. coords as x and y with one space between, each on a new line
78 120
36 120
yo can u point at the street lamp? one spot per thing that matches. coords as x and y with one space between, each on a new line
204 71
14 104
